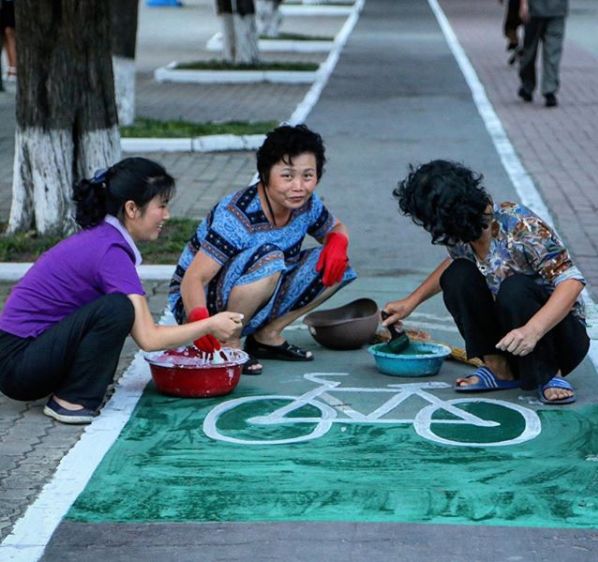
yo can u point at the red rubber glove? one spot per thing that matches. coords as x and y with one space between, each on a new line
333 259
207 343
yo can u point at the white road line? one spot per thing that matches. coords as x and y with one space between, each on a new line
522 182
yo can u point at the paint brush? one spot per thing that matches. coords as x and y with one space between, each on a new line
399 340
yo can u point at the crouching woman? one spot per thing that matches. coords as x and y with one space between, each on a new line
509 283
64 324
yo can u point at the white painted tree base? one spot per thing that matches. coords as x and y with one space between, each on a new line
170 73
124 89
278 45
43 174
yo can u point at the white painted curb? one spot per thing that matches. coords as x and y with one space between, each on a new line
278 45
14 271
207 143
170 73
315 10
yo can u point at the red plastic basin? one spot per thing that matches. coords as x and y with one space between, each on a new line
195 377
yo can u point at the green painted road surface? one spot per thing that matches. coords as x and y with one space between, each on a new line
335 453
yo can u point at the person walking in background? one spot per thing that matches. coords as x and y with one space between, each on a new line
544 22
7 29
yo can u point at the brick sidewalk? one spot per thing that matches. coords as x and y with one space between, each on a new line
556 146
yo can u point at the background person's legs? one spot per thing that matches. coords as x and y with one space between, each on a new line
552 50
527 64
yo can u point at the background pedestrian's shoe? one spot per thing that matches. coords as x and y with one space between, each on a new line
550 100
525 96
54 410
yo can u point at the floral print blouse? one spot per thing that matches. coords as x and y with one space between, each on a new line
523 243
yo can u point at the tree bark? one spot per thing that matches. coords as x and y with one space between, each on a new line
239 32
66 113
124 16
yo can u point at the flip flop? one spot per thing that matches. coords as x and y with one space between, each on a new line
247 367
556 382
284 352
487 383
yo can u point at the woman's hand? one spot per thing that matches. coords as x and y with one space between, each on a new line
520 341
226 325
398 310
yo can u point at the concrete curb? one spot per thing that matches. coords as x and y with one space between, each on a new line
170 73
278 45
207 143
315 10
14 271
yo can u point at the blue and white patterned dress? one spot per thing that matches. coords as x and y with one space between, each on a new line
238 236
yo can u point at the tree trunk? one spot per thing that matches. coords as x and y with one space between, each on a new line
124 41
66 113
268 17
239 33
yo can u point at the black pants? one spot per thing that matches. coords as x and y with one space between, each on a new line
483 321
75 359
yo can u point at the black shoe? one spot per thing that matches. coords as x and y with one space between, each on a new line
550 100
56 411
524 95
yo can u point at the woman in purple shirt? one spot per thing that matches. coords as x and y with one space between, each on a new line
64 324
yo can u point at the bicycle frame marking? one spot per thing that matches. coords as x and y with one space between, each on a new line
330 407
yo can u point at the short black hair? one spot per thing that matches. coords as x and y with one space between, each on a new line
447 199
288 141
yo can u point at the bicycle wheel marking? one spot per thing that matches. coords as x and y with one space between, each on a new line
312 414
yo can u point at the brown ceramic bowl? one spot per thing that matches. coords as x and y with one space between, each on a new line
347 327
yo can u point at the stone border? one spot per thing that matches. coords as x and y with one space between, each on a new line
315 10
278 45
170 73
207 143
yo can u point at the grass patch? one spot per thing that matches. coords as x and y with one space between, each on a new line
144 127
297 37
224 65
28 246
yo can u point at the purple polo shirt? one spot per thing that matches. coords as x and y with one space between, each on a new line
80 269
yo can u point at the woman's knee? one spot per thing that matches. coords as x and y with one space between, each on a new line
461 273
117 309
516 289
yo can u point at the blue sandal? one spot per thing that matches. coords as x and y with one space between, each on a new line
487 383
556 382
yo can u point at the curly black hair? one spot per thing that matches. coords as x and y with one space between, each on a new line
288 141
445 198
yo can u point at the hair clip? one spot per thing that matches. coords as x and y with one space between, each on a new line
100 175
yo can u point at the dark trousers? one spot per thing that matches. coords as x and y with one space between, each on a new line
75 359
483 320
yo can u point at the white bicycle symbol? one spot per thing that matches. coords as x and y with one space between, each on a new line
332 410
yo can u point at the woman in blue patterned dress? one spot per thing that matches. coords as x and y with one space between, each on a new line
246 255
508 282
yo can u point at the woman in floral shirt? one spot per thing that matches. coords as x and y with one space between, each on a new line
508 282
